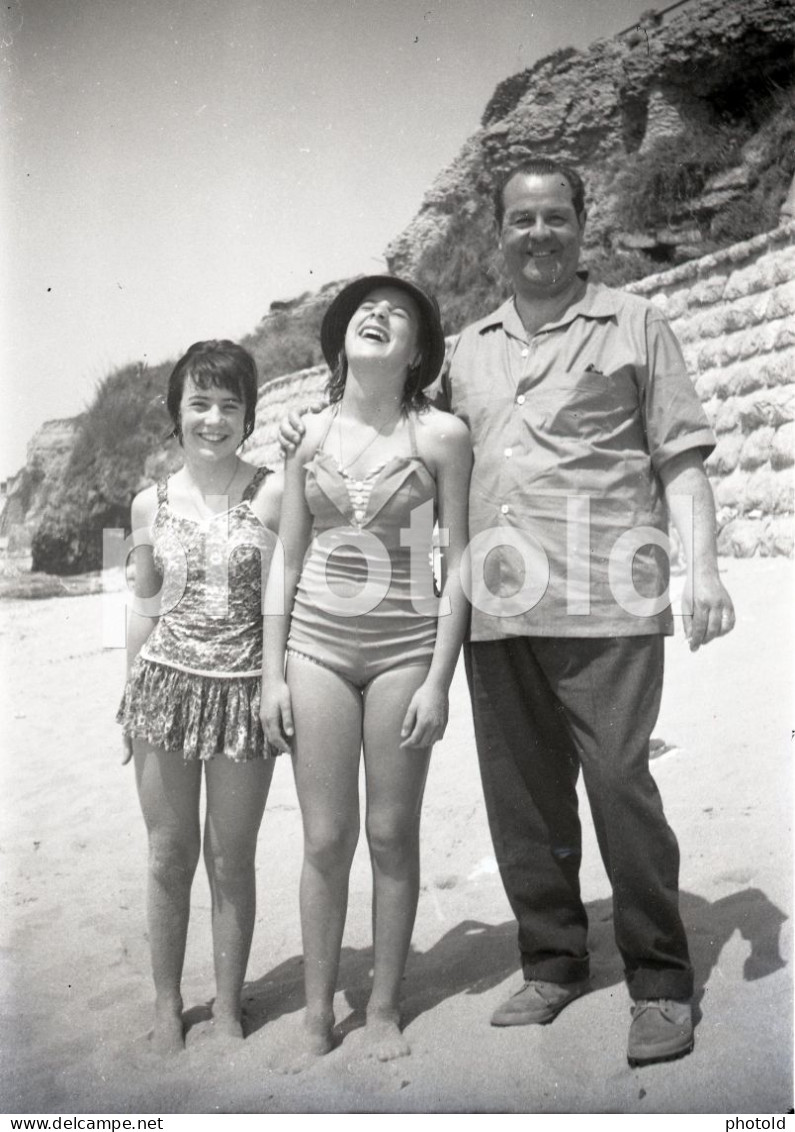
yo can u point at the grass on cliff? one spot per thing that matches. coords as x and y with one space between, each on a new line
661 186
121 443
773 170
124 426
463 268
287 340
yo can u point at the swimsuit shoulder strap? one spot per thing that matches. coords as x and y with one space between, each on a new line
162 492
256 483
412 433
331 418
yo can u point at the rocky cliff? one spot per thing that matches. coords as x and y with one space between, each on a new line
676 127
684 129
26 493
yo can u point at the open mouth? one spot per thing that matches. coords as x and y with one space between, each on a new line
213 437
374 333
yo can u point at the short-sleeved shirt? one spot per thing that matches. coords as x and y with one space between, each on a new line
570 427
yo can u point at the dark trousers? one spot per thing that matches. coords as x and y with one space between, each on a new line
544 707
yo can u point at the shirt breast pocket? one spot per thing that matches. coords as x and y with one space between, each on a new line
584 405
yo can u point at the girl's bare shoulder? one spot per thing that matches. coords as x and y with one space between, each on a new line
144 507
442 431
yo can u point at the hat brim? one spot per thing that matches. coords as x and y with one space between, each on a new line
342 308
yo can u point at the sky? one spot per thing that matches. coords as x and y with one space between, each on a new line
172 167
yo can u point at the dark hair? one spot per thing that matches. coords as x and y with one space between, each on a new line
219 364
413 395
540 167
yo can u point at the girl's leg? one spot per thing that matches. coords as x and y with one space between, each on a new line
236 796
169 789
328 734
395 784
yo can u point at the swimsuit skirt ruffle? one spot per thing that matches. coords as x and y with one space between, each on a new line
201 716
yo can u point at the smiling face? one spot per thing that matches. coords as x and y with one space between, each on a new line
541 234
385 328
212 420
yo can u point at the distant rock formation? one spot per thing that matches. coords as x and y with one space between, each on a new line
26 492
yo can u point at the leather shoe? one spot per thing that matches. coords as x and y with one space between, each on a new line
661 1030
538 1002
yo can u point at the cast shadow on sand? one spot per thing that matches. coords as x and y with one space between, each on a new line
475 958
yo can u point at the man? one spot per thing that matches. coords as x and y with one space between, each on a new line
586 432
586 429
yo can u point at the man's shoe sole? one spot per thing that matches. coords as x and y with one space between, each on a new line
656 1059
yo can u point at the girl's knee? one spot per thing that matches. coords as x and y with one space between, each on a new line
173 860
230 865
330 847
391 838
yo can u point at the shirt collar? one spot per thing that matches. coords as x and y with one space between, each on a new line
597 301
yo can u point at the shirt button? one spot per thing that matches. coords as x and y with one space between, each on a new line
525 352
509 451
520 399
505 508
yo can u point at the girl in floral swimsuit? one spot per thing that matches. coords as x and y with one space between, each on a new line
203 545
369 652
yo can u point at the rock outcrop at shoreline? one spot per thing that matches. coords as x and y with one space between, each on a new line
26 492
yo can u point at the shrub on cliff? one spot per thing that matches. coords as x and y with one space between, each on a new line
463 269
659 187
773 167
510 92
124 424
287 340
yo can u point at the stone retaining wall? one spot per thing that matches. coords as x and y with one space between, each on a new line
733 313
295 391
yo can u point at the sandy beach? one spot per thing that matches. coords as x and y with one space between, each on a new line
76 985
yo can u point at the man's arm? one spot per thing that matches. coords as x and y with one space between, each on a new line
292 428
706 606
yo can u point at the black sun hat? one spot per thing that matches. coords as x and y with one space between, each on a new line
342 308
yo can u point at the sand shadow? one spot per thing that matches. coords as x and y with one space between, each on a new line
474 957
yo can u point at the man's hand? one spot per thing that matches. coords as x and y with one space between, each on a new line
707 610
706 606
292 427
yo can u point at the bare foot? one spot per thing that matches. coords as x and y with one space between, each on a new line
383 1038
315 1040
168 1034
226 1026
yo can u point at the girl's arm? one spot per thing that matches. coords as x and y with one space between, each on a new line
451 451
295 531
147 583
267 502
148 580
